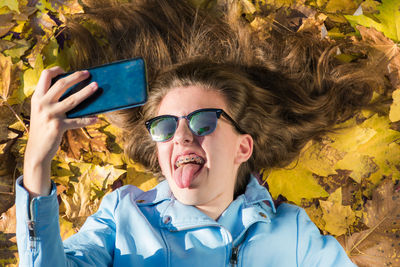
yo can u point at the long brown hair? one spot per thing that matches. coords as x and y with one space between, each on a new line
283 91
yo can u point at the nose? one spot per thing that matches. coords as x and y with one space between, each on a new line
183 134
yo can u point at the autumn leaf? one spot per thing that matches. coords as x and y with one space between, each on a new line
6 23
31 78
78 204
320 157
66 228
380 244
8 246
361 166
11 4
382 147
386 21
383 53
341 6
5 78
338 218
394 114
294 184
88 139
145 181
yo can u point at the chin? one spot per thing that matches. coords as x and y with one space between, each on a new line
189 196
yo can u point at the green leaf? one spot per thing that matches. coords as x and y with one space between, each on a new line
388 19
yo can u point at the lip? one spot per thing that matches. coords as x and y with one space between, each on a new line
187 152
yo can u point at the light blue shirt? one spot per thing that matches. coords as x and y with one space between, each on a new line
136 228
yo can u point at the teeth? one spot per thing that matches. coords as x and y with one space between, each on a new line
192 158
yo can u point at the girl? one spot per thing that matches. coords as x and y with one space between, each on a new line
212 121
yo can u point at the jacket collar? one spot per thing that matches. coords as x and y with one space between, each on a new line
176 216
256 193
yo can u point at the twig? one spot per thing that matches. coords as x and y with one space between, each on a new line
16 115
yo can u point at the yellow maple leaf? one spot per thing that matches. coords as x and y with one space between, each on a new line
337 217
362 166
144 181
294 184
31 77
394 114
382 147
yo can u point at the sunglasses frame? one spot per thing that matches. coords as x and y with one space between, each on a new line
218 113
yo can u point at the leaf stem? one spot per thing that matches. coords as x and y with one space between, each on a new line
364 237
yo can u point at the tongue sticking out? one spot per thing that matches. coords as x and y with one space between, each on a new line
183 175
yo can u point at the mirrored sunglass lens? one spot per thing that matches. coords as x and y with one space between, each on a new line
163 129
203 122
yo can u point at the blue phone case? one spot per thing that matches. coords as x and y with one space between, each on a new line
122 84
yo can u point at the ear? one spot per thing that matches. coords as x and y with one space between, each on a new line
245 149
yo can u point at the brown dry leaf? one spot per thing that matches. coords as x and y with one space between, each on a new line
89 139
380 244
385 54
6 118
78 204
5 78
8 246
8 223
6 23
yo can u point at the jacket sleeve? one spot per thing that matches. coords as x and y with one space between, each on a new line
38 233
314 249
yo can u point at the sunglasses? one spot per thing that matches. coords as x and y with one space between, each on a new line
201 122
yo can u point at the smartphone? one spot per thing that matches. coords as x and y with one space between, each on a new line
121 84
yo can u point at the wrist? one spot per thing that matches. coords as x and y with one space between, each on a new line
37 177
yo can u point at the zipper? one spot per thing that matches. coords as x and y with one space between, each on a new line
32 227
234 256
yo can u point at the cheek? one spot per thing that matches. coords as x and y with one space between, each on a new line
164 155
222 152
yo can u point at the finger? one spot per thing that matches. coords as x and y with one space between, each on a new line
63 84
80 122
74 100
44 82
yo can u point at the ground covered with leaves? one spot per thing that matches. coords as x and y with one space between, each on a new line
348 182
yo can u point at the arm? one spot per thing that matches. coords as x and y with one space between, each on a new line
314 249
41 245
48 124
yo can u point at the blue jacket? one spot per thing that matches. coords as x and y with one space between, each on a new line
136 228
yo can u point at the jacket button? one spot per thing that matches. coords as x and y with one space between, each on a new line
166 219
262 214
140 201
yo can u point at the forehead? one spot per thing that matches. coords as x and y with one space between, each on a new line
183 100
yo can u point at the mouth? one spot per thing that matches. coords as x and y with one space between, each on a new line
191 158
186 169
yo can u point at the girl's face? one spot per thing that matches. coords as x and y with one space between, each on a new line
219 153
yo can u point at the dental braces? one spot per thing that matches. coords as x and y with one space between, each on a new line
194 159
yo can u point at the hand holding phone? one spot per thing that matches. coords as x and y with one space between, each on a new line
48 123
122 84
